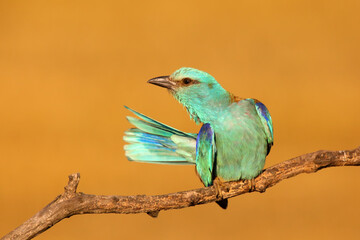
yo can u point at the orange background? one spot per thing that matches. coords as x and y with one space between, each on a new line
68 67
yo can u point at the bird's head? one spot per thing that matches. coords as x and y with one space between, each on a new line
194 89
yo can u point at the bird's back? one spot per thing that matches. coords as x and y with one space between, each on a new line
241 142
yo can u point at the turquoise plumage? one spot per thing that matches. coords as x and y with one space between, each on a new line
236 136
154 142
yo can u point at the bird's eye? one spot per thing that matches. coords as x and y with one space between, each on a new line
186 81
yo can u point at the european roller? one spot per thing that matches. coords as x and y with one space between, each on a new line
232 144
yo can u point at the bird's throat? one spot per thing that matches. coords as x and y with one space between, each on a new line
205 109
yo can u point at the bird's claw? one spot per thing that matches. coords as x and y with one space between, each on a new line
218 185
252 187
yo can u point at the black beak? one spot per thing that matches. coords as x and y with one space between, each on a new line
163 81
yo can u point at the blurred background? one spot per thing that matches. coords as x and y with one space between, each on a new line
68 67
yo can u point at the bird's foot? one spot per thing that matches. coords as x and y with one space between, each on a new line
218 184
252 185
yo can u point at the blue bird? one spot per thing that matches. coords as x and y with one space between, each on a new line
232 144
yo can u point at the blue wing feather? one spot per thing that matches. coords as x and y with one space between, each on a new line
265 117
205 154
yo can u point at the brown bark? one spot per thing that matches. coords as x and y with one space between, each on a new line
72 203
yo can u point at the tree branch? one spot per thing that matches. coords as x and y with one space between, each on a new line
73 203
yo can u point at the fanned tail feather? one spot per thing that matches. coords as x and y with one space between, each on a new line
155 142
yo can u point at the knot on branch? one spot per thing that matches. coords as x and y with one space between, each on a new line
71 187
